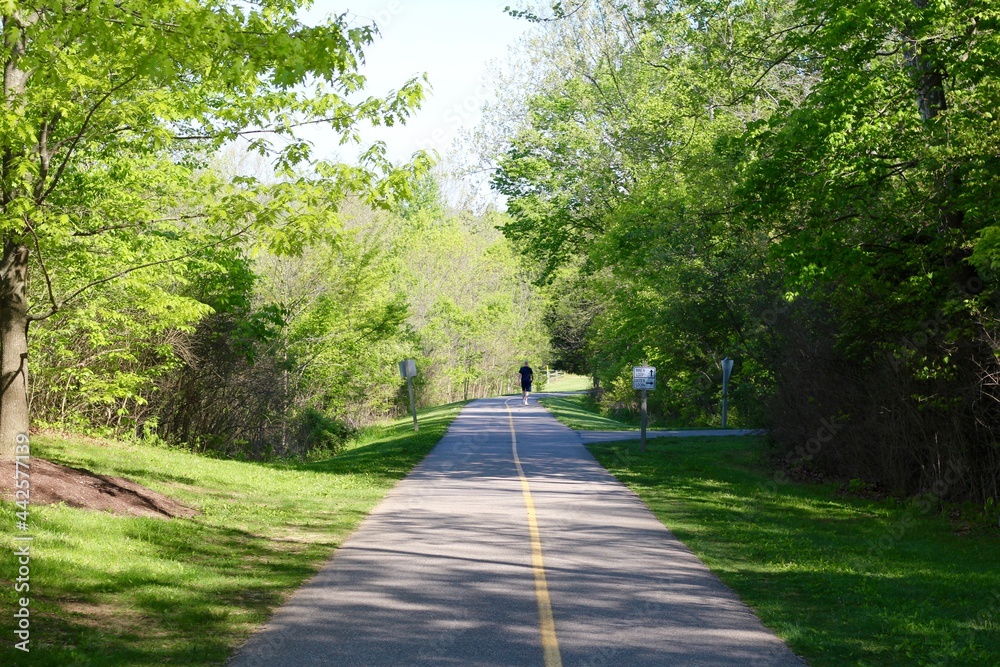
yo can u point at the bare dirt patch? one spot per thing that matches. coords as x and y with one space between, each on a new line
53 483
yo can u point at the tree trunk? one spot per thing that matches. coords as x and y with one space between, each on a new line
928 74
14 262
13 348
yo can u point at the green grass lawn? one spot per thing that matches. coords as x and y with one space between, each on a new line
569 382
844 580
109 590
579 413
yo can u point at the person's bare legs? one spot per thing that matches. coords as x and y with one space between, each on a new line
524 396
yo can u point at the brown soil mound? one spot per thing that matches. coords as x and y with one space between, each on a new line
53 483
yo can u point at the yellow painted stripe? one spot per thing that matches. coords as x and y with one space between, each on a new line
546 621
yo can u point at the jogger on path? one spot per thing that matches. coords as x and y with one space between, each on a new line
527 375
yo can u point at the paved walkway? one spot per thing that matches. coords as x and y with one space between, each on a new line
496 554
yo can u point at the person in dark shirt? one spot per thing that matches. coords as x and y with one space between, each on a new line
527 375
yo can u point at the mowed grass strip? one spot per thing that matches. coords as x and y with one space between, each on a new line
567 382
579 413
109 590
844 580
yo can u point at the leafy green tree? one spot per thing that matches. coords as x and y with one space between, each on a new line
100 95
882 203
223 390
345 328
808 185
620 171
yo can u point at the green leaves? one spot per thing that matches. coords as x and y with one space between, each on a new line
115 95
112 117
807 187
624 170
117 78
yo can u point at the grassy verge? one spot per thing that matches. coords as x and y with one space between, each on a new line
109 590
580 413
844 580
569 382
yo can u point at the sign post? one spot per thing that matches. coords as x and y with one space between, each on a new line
644 379
727 368
408 370
643 421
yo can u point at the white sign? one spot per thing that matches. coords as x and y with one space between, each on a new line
408 368
644 377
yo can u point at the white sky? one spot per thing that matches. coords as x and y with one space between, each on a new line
453 41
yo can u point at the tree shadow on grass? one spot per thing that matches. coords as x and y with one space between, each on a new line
843 580
190 608
204 586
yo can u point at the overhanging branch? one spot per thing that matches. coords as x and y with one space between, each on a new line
121 274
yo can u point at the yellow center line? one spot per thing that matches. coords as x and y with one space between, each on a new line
546 621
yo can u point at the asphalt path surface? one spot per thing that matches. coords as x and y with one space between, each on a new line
500 554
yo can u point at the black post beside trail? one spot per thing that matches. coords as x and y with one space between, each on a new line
413 403
727 368
643 420
408 370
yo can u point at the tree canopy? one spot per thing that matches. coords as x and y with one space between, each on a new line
809 187
110 113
